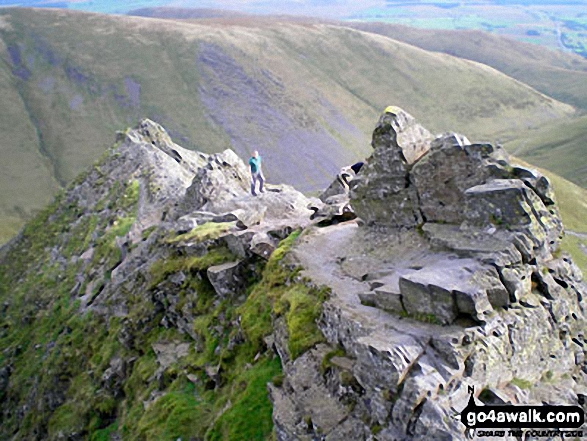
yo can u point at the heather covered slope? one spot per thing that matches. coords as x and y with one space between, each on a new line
305 95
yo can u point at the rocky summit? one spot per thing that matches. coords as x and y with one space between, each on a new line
156 298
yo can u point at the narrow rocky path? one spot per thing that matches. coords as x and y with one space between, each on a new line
329 254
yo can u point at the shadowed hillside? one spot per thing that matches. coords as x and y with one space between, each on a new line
305 95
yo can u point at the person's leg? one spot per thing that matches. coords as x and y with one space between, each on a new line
253 183
261 182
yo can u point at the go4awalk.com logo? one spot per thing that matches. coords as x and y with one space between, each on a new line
515 420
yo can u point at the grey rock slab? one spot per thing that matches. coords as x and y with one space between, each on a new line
449 288
442 176
486 244
388 298
385 359
227 279
169 352
510 204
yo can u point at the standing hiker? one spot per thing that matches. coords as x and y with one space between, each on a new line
256 173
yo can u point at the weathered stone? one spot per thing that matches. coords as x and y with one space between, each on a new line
511 204
423 297
491 247
340 186
228 279
223 177
247 219
442 176
459 286
169 352
263 245
239 242
385 362
399 128
114 376
517 281
380 194
497 294
313 409
334 210
499 202
539 183
226 217
368 299
389 299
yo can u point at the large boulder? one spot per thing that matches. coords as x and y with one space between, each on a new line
381 193
412 179
443 175
223 177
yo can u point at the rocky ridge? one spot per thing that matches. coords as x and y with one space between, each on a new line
156 298
456 279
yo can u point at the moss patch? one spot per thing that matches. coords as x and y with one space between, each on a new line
161 269
252 399
282 292
522 384
207 231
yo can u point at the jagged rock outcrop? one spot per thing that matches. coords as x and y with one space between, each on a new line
455 280
128 297
156 295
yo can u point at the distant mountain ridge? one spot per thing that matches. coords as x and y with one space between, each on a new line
306 95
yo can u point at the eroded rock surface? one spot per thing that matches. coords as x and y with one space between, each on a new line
455 280
452 278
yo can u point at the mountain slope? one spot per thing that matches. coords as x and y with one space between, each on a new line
109 326
559 147
305 95
557 74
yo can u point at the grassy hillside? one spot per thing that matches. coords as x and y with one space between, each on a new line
306 95
559 147
554 73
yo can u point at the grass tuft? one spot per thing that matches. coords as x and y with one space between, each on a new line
207 231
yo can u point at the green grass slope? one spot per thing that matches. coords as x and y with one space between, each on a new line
554 73
560 147
306 95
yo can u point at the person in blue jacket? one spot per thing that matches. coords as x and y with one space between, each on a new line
256 173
